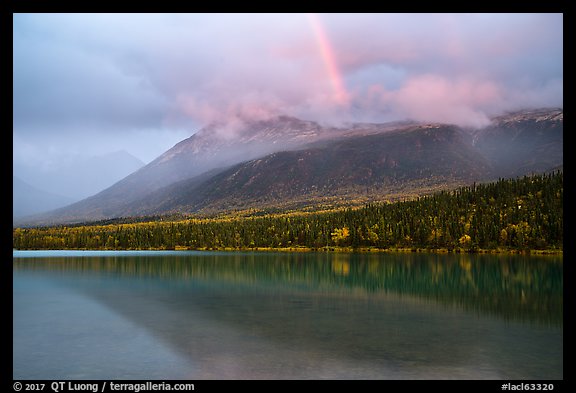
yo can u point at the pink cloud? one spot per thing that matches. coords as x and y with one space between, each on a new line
438 99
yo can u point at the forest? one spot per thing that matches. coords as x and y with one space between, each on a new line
509 214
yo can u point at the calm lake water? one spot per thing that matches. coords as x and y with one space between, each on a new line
241 315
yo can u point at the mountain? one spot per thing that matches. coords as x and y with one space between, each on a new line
523 142
210 149
80 176
417 158
220 145
287 161
28 199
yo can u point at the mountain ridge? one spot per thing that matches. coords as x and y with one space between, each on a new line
364 166
291 157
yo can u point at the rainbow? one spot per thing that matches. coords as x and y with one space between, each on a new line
341 95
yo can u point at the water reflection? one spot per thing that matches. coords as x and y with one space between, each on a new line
510 286
296 315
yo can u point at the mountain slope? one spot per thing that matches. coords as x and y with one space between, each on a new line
213 147
523 142
216 146
372 166
291 161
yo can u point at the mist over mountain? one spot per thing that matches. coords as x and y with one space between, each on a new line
284 160
218 145
523 142
89 83
28 199
78 177
365 167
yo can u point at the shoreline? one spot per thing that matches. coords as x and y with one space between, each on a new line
330 249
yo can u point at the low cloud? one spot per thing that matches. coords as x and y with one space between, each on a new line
108 75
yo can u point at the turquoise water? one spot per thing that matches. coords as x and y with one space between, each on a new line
240 315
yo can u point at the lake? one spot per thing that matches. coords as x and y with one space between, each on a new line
263 315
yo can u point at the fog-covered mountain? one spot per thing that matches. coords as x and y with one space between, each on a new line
363 167
523 142
213 147
28 199
287 160
79 176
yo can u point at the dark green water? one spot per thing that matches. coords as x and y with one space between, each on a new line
215 315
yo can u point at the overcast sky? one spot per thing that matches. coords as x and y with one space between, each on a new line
92 84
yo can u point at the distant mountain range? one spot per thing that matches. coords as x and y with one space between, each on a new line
294 163
28 199
81 176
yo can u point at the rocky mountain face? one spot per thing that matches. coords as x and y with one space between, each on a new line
275 161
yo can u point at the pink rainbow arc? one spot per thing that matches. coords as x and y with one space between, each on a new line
340 94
